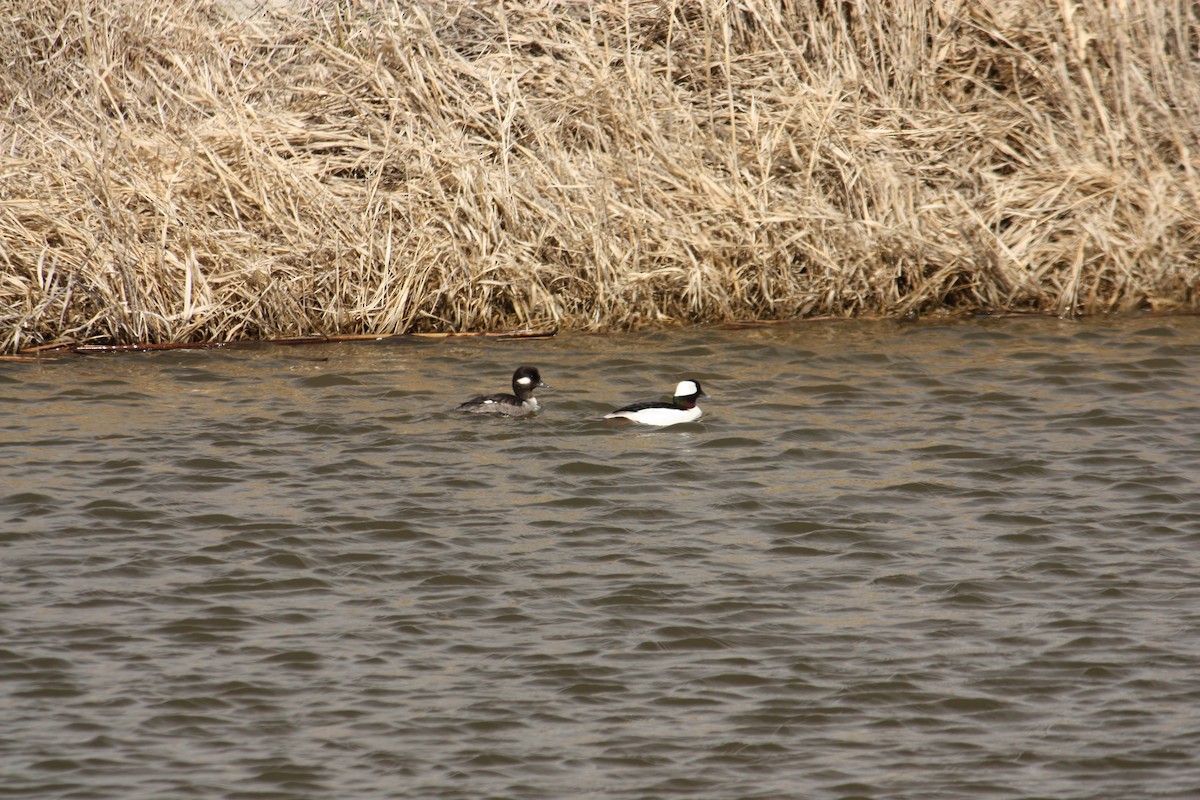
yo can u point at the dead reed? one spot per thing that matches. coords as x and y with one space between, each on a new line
213 170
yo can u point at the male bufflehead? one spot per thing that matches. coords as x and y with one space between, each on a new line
520 402
683 408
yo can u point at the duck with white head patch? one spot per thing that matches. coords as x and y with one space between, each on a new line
517 404
682 408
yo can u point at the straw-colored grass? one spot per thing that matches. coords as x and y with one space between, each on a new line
199 170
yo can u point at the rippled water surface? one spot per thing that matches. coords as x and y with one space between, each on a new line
891 561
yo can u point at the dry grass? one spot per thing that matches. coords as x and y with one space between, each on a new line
189 170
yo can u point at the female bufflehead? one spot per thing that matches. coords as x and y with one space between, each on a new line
520 402
683 408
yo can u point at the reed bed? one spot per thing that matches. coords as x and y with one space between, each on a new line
216 170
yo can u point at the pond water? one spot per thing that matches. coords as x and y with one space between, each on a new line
892 560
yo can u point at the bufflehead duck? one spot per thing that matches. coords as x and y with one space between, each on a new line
520 402
683 408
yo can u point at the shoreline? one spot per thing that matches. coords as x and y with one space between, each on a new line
54 351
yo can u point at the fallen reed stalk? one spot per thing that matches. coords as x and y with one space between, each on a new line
215 170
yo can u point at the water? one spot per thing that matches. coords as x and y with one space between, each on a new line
891 561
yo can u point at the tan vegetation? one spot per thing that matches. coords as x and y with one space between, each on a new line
190 170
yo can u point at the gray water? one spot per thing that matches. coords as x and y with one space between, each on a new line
891 561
